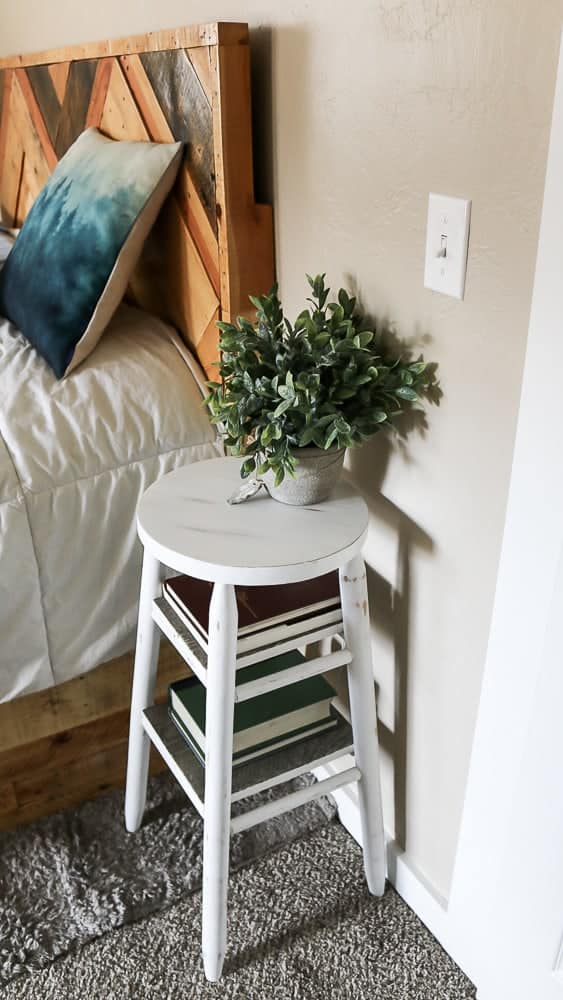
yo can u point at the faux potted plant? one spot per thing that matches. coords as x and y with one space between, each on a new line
292 397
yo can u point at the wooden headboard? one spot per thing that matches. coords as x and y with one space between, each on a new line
212 245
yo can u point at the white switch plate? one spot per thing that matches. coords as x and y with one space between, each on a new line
447 238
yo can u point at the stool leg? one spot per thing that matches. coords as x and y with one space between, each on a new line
221 674
355 612
144 676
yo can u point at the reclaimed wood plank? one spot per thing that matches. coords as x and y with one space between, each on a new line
152 114
215 33
104 690
76 103
203 66
38 122
59 75
197 221
7 76
245 229
121 118
187 111
47 98
99 93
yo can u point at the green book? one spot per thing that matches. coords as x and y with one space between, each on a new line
269 716
261 748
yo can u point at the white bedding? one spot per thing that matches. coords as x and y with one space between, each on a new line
75 457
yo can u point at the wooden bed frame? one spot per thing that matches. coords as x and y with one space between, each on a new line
211 247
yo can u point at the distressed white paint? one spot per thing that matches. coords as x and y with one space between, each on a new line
257 542
184 511
355 609
146 660
311 668
221 672
294 799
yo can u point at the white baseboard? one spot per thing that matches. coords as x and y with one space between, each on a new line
403 875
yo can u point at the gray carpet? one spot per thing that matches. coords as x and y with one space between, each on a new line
77 875
302 926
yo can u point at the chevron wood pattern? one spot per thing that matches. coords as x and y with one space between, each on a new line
212 245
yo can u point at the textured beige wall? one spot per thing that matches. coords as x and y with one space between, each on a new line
366 107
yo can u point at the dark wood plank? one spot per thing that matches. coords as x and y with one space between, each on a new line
76 103
189 116
46 97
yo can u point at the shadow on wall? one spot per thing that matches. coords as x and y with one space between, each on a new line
268 48
390 604
262 113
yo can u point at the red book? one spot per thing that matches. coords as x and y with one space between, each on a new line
259 608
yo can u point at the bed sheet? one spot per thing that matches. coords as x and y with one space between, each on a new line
75 457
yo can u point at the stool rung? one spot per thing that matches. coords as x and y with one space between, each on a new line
294 799
311 668
181 638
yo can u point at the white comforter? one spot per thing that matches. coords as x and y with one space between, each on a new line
75 457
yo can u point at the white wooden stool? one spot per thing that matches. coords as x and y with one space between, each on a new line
185 523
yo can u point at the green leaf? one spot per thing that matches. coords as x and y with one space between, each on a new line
331 437
321 340
345 392
418 367
282 407
307 436
267 435
285 392
248 466
406 393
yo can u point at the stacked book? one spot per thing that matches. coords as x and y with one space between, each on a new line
266 615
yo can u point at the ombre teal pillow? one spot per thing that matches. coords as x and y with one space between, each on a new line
70 265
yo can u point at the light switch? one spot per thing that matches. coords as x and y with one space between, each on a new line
447 238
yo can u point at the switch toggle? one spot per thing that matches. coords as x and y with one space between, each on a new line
443 251
447 239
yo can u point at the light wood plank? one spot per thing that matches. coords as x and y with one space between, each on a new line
34 112
29 189
207 352
5 119
155 122
59 75
99 92
121 118
193 301
197 221
36 161
11 174
246 261
100 773
101 692
203 65
216 33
